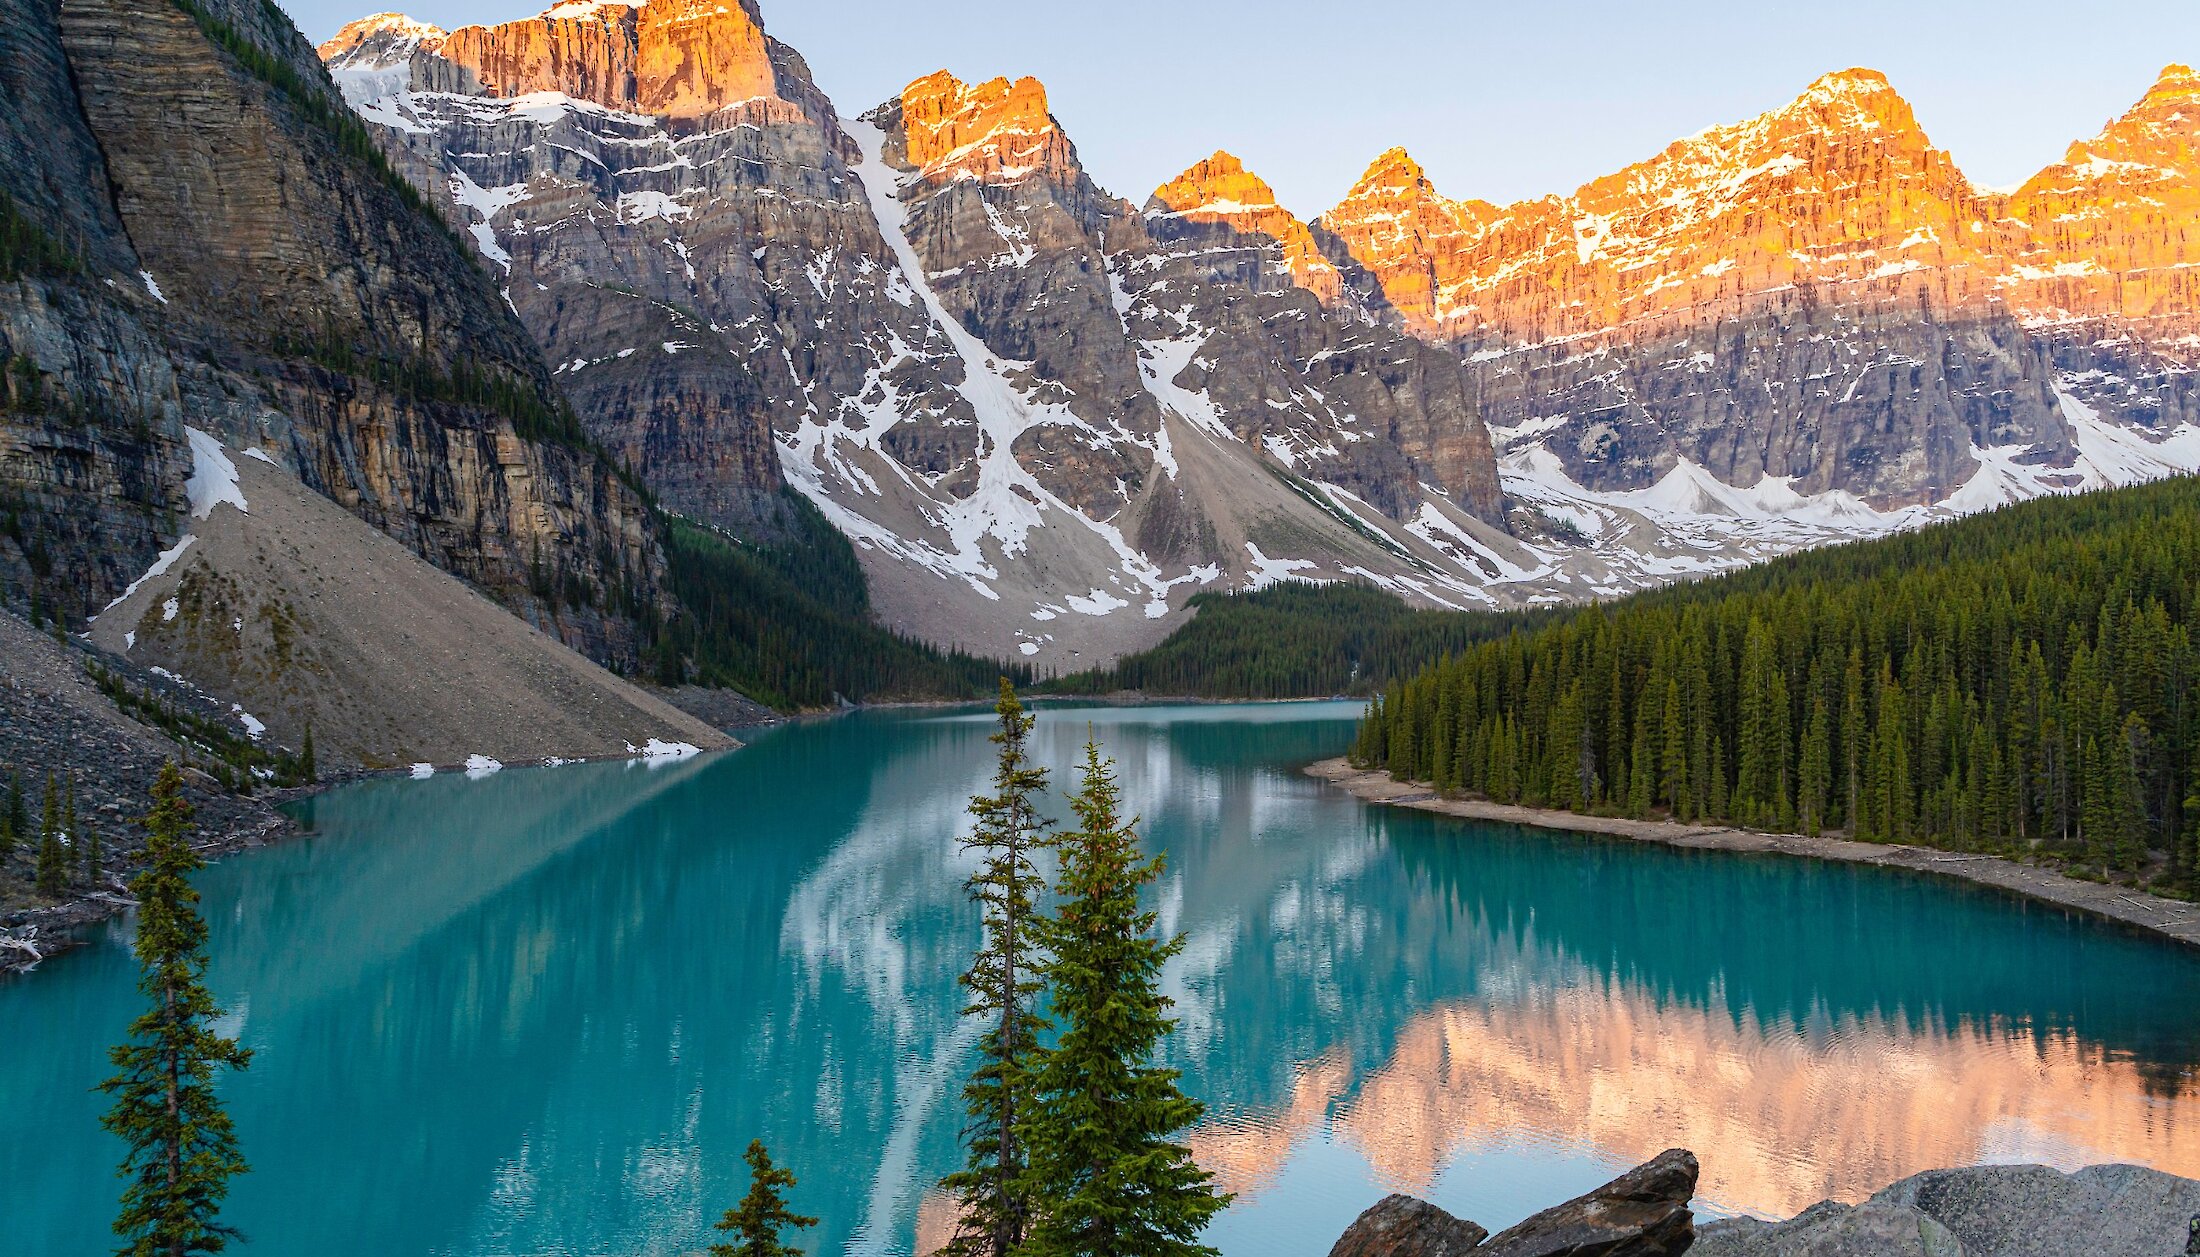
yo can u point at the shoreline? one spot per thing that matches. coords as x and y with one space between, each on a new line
2170 919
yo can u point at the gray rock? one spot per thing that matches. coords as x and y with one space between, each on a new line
1642 1213
1401 1226
1985 1211
1875 1229
2033 1211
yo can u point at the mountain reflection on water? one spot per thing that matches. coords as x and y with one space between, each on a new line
543 1012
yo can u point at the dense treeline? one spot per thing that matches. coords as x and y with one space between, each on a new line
789 624
2024 681
26 249
1295 640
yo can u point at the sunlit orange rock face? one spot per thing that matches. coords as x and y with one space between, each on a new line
1781 1118
2114 228
1411 237
1838 196
681 59
994 132
1221 191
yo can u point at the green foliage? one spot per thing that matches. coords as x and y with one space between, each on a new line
762 1214
234 760
28 249
1107 1178
15 816
308 767
993 1189
788 624
182 1147
1295 640
53 858
2025 681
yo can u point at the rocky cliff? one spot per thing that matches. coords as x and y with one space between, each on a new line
1047 416
1817 298
1044 416
230 250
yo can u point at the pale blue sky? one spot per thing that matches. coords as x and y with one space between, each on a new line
1498 100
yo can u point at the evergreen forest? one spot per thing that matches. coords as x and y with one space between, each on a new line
1294 640
2019 682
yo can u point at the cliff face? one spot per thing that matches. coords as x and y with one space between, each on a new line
1817 295
241 264
983 366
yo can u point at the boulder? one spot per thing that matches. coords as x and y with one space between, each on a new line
1874 1229
1642 1213
1401 1226
2033 1211
1985 1211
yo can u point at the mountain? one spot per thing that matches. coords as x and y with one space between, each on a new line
238 255
1045 417
1815 303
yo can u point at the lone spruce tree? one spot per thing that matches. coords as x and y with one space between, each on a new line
1108 1176
53 857
762 1214
1003 986
15 818
182 1148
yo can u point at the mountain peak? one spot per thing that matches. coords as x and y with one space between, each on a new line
1220 184
1855 99
1393 168
943 117
2177 83
380 39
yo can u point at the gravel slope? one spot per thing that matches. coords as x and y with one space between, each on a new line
300 613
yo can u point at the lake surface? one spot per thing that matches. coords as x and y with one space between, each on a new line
543 1012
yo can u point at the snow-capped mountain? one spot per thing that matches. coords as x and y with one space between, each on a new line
1817 299
1047 416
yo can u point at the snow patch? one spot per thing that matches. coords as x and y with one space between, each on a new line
213 477
479 766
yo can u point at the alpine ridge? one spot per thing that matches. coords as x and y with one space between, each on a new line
1047 416
1816 297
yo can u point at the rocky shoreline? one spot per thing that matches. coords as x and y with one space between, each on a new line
1978 1211
2166 918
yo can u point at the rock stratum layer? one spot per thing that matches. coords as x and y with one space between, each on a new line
223 246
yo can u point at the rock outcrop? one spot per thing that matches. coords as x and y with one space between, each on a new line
1985 1211
1401 1226
1642 1213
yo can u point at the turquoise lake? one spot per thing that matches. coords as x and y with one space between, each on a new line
543 1012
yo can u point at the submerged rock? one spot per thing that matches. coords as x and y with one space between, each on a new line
1401 1226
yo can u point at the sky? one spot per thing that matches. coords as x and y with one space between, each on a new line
1501 101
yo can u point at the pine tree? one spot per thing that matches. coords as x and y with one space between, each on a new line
182 1147
307 768
1814 782
88 845
762 1214
53 858
15 819
1108 1179
1004 987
